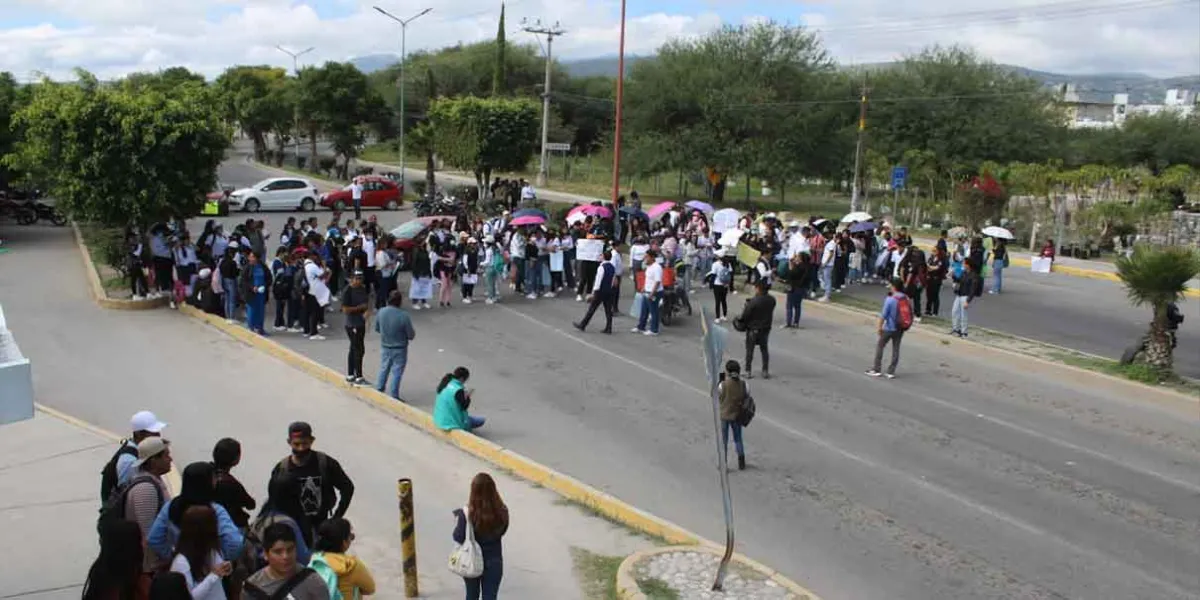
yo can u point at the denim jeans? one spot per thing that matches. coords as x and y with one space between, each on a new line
489 283
997 277
737 437
475 422
487 586
649 311
958 314
391 362
256 312
795 299
827 280
230 287
533 276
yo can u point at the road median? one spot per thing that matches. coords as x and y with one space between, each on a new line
99 295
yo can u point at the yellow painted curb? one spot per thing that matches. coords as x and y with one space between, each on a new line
98 294
1136 389
174 482
628 589
503 458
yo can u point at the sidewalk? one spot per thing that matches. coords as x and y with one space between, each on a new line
206 385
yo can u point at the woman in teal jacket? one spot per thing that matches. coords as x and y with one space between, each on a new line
453 400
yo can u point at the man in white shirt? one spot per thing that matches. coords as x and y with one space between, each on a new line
315 300
356 193
370 274
516 252
797 242
618 273
827 258
527 191
651 294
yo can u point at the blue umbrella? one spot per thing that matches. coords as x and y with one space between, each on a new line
530 212
864 226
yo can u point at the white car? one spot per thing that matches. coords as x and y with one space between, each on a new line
287 193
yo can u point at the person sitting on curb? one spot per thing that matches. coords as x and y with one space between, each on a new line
450 408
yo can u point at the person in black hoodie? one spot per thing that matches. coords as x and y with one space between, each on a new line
325 488
756 317
799 278
967 288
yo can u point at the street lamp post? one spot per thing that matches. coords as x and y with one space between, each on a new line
296 110
616 179
403 54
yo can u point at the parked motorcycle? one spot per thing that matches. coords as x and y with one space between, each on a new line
48 212
439 205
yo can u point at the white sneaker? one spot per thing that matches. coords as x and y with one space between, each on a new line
549 295
917 319
466 300
172 304
531 296
231 321
489 301
280 328
138 298
636 330
295 330
316 338
578 298
822 299
323 326
650 333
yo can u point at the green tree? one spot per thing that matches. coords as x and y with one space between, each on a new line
337 99
720 102
11 101
500 69
1157 277
963 109
119 156
165 81
483 135
248 101
282 108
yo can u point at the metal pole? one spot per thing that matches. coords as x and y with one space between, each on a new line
616 178
858 148
543 172
714 346
296 112
408 537
403 58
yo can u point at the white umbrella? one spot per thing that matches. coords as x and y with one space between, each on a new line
856 216
574 218
730 237
998 232
726 218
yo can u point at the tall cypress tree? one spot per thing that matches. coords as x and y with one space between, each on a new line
500 71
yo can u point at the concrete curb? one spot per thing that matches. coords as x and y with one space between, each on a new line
1136 389
628 589
174 482
101 298
503 458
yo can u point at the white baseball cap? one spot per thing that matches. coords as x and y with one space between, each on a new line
146 421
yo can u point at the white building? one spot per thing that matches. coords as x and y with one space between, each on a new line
1095 110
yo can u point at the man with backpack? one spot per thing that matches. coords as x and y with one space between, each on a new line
895 318
141 497
118 469
283 577
324 486
913 270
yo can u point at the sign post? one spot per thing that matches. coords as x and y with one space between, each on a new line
714 351
899 178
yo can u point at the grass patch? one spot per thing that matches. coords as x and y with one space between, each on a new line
116 282
657 589
1139 372
597 573
592 511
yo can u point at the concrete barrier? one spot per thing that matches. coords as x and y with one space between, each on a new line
16 379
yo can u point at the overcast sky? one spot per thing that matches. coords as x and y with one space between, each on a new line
115 37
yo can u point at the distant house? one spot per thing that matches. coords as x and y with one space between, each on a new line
1101 110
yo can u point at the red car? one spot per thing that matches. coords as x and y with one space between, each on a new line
378 192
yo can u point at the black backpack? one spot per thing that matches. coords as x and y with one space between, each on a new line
748 407
114 507
108 475
253 591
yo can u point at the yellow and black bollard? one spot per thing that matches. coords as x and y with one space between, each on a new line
408 537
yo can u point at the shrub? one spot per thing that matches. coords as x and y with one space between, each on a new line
108 246
364 171
300 160
327 164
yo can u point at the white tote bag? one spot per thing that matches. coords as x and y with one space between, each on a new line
467 559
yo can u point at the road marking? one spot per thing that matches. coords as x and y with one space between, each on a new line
817 441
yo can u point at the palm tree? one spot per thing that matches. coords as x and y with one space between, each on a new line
1158 277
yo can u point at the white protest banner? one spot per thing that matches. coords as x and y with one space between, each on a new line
1040 265
589 250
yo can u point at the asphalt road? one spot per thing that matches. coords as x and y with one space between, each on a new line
973 475
1090 315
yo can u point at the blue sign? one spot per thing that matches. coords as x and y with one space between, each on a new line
899 177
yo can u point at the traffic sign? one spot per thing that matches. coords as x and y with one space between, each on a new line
558 147
899 177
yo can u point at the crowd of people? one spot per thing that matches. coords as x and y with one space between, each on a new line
207 544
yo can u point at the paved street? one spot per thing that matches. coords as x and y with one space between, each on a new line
103 366
973 475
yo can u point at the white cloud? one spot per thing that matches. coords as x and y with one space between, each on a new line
116 37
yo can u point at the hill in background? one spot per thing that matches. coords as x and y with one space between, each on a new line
1142 89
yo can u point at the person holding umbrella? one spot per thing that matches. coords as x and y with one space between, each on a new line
999 256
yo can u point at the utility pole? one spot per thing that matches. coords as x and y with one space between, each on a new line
616 178
550 33
403 58
296 110
856 187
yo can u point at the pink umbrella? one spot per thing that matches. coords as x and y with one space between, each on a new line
529 220
660 209
591 209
